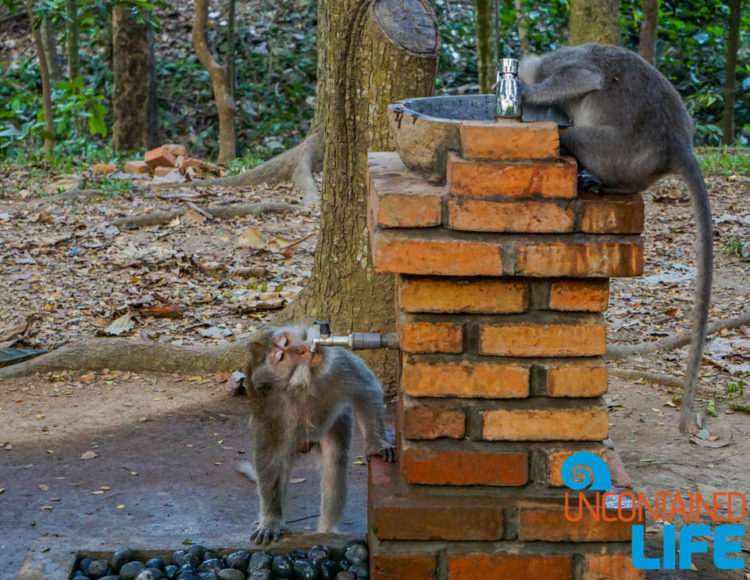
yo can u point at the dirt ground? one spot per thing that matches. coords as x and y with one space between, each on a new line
165 445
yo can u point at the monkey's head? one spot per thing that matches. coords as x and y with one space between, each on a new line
289 362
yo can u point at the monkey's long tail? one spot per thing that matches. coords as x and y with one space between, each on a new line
247 469
687 167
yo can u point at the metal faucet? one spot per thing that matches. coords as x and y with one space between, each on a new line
507 99
353 341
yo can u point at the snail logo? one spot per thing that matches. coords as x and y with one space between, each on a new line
585 470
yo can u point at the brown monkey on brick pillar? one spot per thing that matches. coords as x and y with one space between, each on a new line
630 128
299 399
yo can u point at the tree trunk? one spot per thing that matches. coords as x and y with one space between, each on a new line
594 21
370 53
727 120
650 11
523 34
231 44
218 74
485 26
71 27
132 64
50 49
49 125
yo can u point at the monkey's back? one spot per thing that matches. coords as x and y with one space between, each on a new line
636 96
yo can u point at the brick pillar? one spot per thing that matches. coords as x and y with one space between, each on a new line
502 276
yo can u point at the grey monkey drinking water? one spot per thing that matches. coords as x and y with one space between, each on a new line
299 399
630 128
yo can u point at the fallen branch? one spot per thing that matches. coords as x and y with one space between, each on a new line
666 380
296 164
223 212
616 352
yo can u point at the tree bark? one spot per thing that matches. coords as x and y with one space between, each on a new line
218 74
49 125
485 26
650 11
372 53
727 119
594 21
523 34
71 27
132 64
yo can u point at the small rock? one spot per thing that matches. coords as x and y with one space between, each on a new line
356 552
155 563
150 574
282 567
238 560
98 569
328 569
171 571
263 574
260 561
131 570
84 565
211 565
346 575
305 570
319 553
231 574
120 557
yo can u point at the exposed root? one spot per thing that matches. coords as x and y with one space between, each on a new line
296 165
660 379
617 351
223 212
138 356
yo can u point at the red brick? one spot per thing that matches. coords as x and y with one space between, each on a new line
610 567
442 467
576 379
545 424
478 215
434 422
579 295
403 253
547 523
164 156
136 168
431 337
103 168
416 516
400 199
464 379
402 567
584 259
554 458
162 171
556 179
585 337
612 214
506 139
463 296
508 567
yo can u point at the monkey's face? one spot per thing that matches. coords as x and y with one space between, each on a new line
288 352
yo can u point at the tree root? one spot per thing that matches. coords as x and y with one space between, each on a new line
139 356
666 380
223 212
296 165
616 352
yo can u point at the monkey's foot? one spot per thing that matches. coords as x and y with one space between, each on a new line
265 533
588 183
387 453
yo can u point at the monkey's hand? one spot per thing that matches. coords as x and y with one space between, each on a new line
388 453
266 532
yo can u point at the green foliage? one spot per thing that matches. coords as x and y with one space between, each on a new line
733 247
724 160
